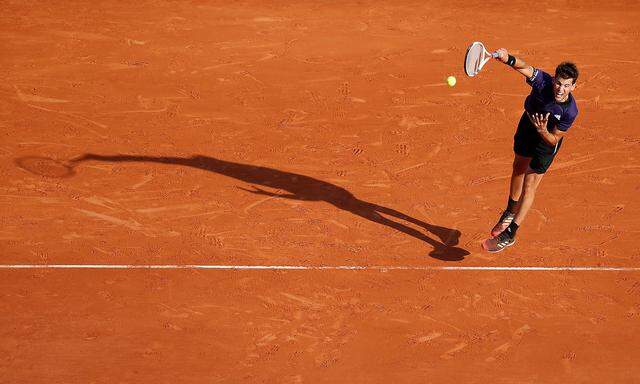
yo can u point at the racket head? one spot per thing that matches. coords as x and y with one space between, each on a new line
474 57
45 166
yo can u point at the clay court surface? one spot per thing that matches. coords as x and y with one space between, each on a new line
311 135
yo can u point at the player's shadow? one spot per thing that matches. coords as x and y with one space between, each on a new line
299 187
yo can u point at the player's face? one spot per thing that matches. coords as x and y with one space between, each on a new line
562 88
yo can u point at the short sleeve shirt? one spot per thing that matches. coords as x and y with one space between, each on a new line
542 100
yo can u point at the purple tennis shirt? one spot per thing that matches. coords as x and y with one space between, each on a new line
542 100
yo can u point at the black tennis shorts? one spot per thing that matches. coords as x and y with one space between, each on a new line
528 143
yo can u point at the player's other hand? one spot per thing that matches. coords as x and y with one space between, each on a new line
540 121
503 55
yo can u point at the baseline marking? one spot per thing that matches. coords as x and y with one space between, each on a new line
305 268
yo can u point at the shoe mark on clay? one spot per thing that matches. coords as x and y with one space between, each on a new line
357 151
130 224
519 296
322 79
481 180
254 204
317 99
102 202
76 116
131 42
81 35
379 185
336 223
302 300
414 121
402 149
249 76
270 19
613 212
341 173
210 67
500 351
345 90
266 339
167 208
450 353
174 313
425 339
36 99
410 168
145 180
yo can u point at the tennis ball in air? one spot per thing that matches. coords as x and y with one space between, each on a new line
451 80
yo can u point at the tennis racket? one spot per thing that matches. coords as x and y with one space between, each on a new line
476 57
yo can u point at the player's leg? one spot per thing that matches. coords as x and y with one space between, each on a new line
537 167
539 164
520 165
523 151
508 237
530 185
524 146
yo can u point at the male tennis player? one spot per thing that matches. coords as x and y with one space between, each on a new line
549 111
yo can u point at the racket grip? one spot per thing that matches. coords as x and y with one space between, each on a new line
495 55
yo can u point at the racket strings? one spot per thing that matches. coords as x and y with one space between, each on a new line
475 58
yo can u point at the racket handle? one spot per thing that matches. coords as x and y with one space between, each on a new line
495 55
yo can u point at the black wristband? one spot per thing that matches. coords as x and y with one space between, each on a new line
511 61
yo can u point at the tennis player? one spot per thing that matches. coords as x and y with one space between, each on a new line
549 112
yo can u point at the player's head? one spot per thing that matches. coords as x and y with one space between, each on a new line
564 81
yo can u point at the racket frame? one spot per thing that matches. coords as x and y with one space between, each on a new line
485 57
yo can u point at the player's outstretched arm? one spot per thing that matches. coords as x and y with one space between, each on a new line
516 63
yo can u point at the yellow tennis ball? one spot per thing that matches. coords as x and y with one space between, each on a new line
451 80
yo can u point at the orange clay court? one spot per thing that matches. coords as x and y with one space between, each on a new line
228 141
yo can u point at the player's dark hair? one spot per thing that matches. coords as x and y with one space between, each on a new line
567 70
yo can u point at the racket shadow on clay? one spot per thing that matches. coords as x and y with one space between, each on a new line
48 167
287 185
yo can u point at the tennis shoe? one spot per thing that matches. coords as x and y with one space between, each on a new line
498 243
503 223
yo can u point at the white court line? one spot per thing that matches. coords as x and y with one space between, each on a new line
305 268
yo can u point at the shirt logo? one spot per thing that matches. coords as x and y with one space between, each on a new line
557 116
